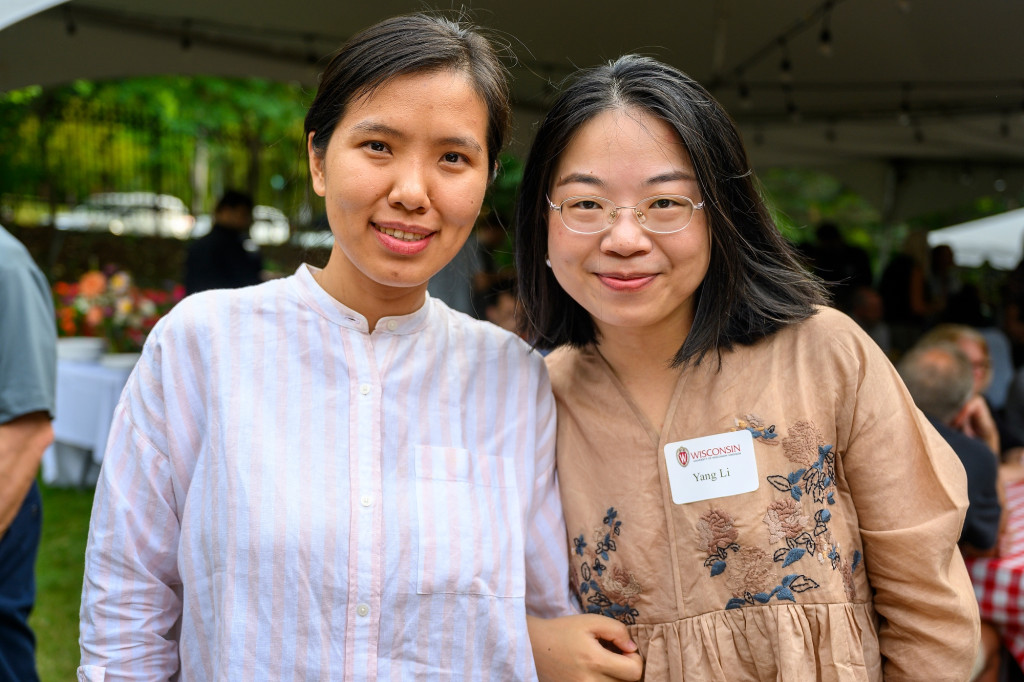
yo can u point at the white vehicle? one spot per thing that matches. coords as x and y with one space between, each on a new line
142 213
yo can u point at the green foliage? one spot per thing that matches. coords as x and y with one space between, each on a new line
155 134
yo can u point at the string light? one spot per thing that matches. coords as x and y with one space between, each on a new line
785 65
791 109
825 37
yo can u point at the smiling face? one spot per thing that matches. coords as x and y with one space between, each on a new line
403 178
626 277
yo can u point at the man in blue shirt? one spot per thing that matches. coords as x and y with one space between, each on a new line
28 366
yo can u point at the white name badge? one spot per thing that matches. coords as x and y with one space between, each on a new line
712 466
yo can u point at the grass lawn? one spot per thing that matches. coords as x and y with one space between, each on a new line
59 581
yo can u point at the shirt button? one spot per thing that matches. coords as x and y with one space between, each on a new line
364 389
363 610
366 500
392 325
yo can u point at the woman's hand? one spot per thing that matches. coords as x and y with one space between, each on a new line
976 421
583 648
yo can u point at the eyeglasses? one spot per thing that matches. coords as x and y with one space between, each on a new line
660 214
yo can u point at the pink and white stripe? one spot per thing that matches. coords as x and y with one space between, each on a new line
315 501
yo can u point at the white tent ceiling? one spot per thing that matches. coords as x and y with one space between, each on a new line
918 107
997 240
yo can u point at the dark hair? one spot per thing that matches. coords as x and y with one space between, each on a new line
233 198
755 284
413 43
939 377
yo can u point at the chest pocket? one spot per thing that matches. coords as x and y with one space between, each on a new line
470 524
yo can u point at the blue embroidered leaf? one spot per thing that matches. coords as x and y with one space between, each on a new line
762 597
780 483
780 554
802 584
796 476
796 493
824 449
594 609
585 588
735 603
595 586
580 543
831 498
827 481
786 594
788 580
717 568
824 516
856 560
794 554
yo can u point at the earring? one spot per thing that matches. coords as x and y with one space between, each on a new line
547 262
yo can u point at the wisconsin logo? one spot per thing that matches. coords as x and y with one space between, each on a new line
683 455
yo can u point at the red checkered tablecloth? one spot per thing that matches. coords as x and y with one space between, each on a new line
999 581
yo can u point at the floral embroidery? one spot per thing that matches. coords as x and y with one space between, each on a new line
801 443
716 535
805 447
794 582
786 524
605 589
815 481
784 520
752 573
758 430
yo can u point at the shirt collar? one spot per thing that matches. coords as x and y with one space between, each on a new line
338 313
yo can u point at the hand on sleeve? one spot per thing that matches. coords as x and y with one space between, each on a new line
583 648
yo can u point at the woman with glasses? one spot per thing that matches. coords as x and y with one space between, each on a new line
332 475
746 482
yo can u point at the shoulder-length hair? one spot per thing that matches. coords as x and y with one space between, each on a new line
755 283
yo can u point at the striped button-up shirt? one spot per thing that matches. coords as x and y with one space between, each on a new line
286 495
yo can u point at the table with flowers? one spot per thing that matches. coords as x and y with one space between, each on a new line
103 320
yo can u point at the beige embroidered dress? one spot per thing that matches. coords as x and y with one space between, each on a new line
842 565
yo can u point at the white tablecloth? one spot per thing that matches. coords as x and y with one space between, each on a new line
86 396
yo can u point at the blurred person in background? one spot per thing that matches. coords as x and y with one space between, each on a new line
978 419
28 371
940 377
225 258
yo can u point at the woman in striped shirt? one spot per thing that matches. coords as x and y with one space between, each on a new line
333 475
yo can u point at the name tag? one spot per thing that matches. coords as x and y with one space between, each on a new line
712 466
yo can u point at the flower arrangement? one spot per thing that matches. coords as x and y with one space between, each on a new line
110 306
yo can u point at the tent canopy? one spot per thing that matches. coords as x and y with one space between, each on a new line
916 104
997 240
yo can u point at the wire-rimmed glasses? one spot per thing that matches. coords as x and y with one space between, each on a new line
660 214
